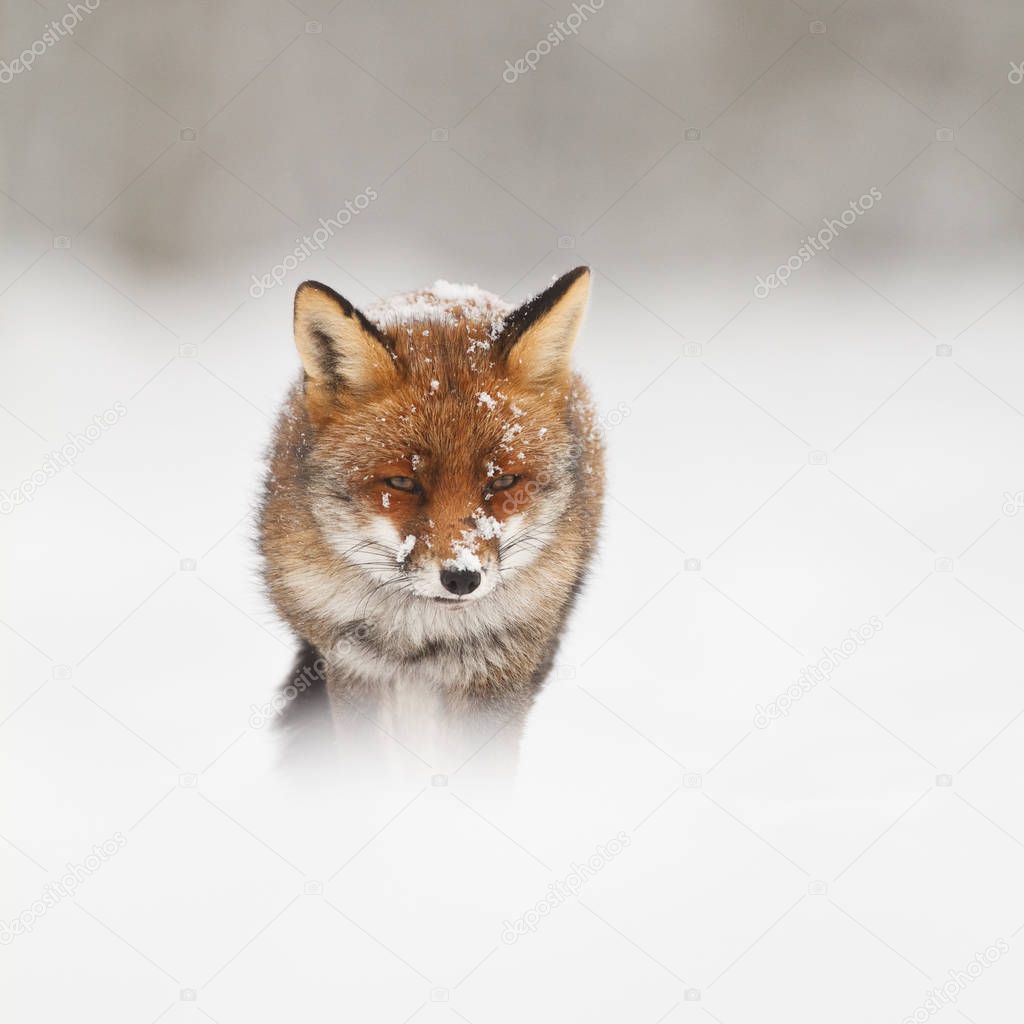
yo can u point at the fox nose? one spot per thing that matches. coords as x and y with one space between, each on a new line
460 581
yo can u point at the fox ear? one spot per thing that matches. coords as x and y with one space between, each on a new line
537 338
337 344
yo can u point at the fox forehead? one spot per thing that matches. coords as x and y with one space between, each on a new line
423 433
451 401
443 346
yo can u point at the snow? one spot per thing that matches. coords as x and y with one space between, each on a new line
487 526
485 399
405 548
462 294
465 559
385 499
434 385
435 305
405 309
510 433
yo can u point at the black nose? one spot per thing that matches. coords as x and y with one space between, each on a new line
460 581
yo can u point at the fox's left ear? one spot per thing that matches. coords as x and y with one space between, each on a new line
537 338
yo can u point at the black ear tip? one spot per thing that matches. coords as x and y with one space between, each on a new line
309 287
562 284
313 286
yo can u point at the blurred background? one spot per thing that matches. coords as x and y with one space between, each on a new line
778 769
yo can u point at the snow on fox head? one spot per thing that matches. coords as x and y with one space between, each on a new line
441 459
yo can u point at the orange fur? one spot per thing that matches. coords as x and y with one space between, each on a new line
457 392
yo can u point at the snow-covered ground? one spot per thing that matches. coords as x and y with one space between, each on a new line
778 770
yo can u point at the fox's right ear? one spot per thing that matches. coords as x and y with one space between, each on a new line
338 346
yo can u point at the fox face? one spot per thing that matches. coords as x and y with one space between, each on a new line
442 456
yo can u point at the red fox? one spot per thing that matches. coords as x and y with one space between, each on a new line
432 502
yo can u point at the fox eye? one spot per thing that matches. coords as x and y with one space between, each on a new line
401 483
503 483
